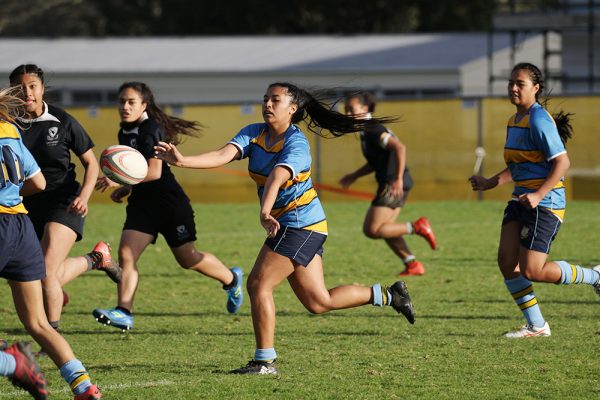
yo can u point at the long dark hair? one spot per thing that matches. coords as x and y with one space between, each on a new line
317 114
561 118
173 126
24 69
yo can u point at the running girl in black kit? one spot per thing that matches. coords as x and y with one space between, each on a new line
157 205
58 213
386 156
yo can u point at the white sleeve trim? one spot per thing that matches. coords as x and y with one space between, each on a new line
37 171
384 139
238 147
288 166
556 155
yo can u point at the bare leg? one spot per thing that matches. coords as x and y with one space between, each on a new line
309 286
380 223
269 270
509 250
28 301
535 268
132 245
206 263
56 243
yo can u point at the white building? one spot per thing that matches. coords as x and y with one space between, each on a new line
237 68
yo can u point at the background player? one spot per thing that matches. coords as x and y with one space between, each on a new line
291 213
386 156
536 161
157 205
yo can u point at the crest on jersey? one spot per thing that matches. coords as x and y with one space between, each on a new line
52 134
133 143
182 232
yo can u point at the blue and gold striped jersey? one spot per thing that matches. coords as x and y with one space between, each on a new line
532 142
16 165
297 204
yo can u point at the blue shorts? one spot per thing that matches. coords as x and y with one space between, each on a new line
21 257
299 245
538 226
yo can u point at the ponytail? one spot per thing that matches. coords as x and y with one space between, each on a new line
173 126
317 114
563 125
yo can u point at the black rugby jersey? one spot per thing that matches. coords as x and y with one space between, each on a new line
143 138
50 138
380 159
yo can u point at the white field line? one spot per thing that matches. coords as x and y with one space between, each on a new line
21 393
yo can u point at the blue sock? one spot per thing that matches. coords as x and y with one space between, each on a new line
521 290
76 376
381 297
7 364
377 295
574 274
265 354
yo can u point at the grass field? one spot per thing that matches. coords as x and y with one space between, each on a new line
184 342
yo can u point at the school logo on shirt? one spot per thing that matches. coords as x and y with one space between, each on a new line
182 232
133 143
52 137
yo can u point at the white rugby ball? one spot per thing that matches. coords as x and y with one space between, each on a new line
123 164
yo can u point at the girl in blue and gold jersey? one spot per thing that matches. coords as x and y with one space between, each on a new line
536 161
22 265
291 213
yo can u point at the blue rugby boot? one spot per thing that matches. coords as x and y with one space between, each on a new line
235 291
114 317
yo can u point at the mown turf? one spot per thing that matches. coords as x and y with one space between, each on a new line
184 342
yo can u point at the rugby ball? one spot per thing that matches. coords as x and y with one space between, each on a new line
123 164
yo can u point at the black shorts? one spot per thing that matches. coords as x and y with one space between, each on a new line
383 198
175 222
53 206
538 226
299 245
21 257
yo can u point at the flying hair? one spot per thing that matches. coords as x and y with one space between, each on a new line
11 105
318 115
174 127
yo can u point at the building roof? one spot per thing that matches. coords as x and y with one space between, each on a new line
248 54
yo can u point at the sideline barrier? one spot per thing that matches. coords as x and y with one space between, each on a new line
441 137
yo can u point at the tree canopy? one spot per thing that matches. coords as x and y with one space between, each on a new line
100 18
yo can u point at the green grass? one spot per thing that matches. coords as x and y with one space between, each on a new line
184 342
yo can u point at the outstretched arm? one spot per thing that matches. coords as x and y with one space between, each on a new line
480 183
169 153
349 179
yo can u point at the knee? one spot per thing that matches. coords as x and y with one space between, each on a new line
371 232
252 287
36 327
531 274
317 308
